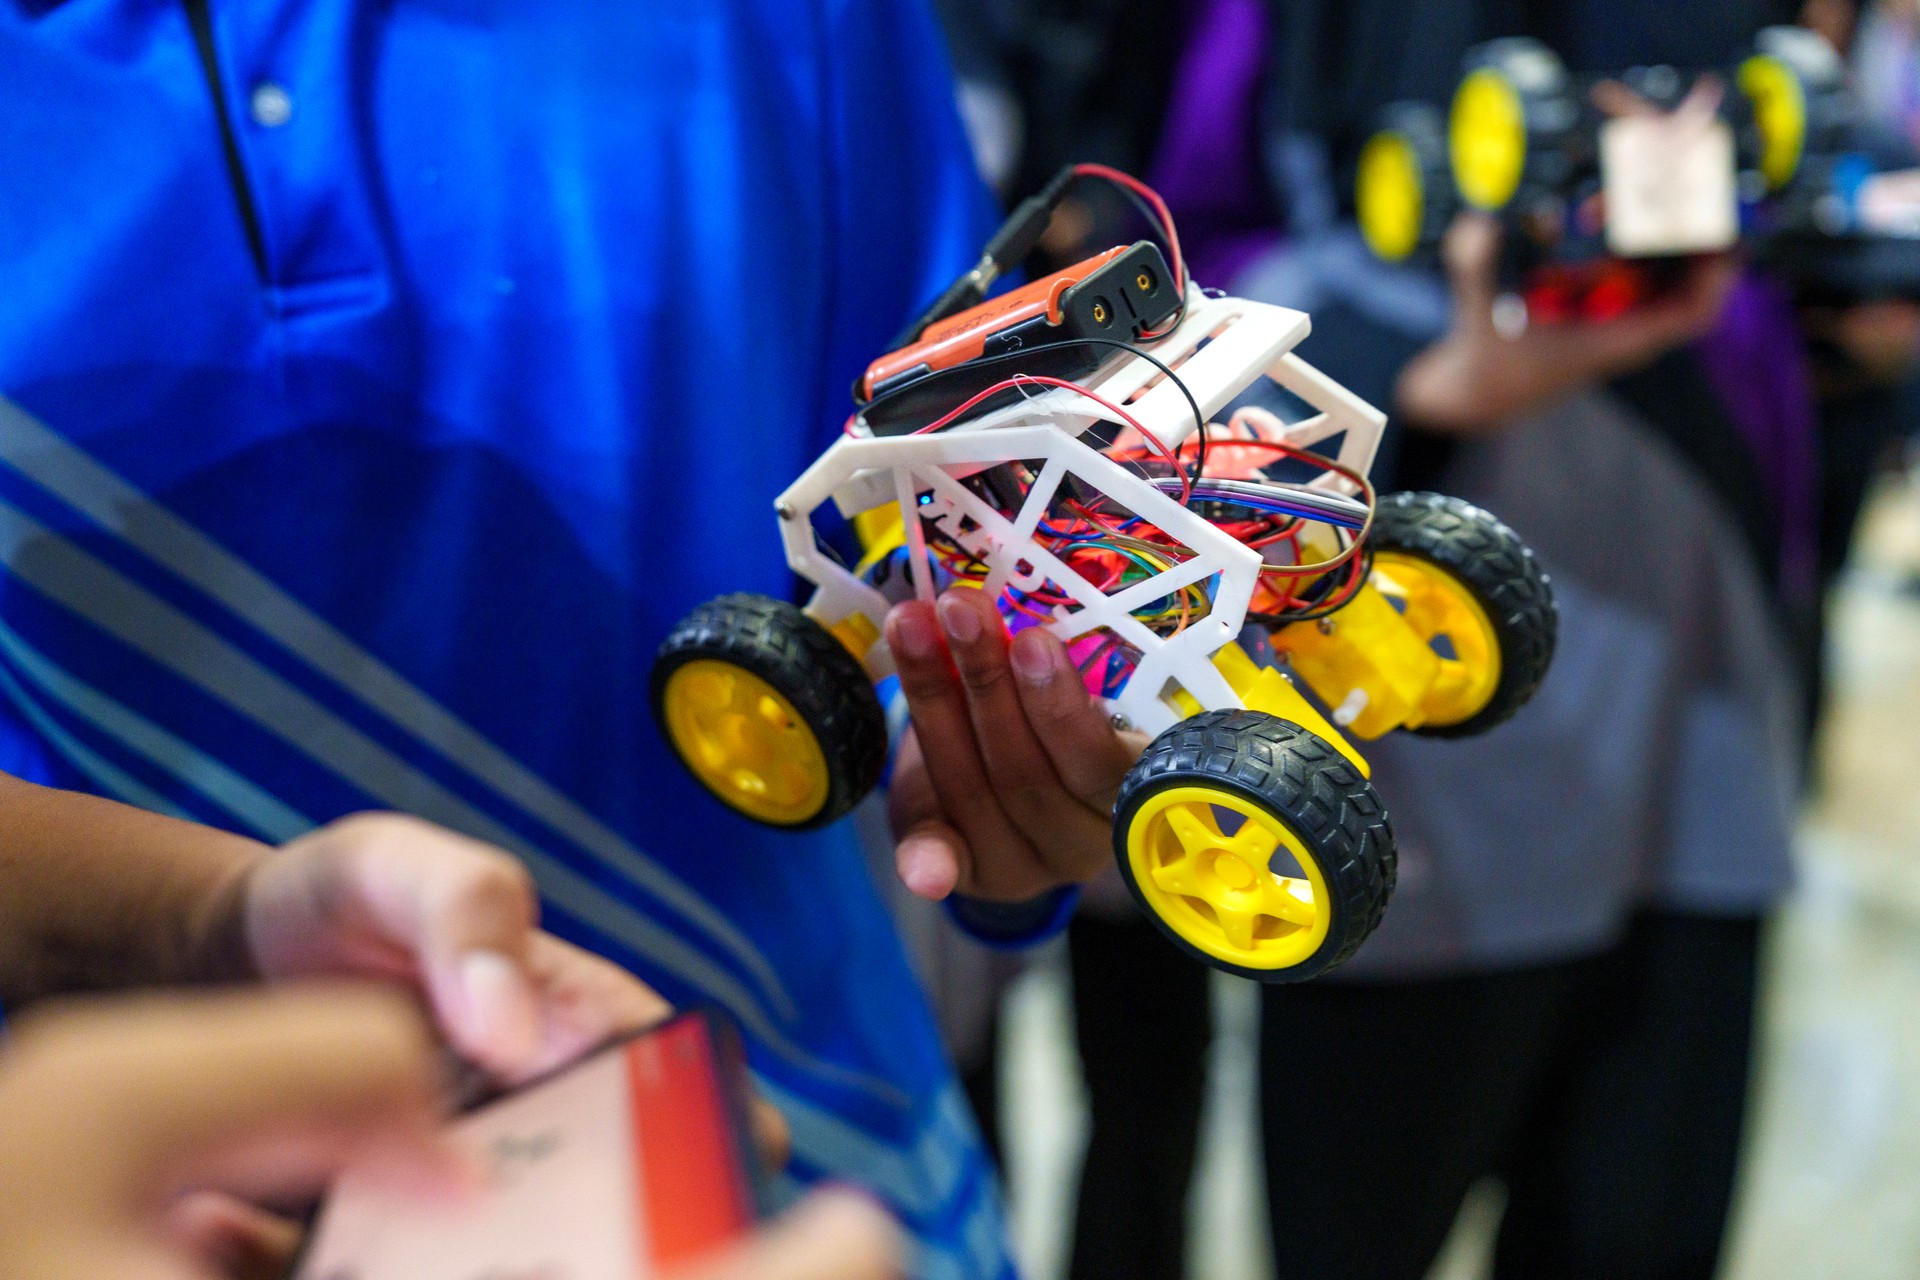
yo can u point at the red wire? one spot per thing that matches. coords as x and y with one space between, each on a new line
1167 228
1152 197
1024 379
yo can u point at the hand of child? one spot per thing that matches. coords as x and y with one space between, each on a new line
131 1131
1004 789
384 895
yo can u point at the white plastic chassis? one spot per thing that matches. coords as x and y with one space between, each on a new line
1220 348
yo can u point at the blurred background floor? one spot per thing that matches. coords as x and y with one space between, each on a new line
1832 1182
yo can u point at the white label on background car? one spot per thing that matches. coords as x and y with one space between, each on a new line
1669 185
1889 203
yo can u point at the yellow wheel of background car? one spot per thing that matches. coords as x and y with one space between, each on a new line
745 741
1390 196
1779 116
1403 190
1487 137
1470 587
1513 123
1798 102
770 711
1254 845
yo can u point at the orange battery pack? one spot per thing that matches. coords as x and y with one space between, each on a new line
1064 325
1122 295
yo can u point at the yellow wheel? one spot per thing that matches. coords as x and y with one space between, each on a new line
1795 87
1390 195
769 711
745 742
1474 592
1487 136
1402 193
1513 113
1779 116
1254 845
1443 610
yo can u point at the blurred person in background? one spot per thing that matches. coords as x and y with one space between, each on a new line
1886 62
1863 355
1563 991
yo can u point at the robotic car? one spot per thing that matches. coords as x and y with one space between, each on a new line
1122 458
1522 141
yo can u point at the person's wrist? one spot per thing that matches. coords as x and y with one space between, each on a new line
1014 926
220 949
1436 391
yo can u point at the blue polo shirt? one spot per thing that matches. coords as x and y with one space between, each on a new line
380 381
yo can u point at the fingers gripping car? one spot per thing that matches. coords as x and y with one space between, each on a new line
1093 453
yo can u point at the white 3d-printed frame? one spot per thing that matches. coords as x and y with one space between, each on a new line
1220 348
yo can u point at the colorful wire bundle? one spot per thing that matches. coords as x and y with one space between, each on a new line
1112 549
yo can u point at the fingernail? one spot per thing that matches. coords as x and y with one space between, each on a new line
505 1018
924 870
962 623
909 635
1034 660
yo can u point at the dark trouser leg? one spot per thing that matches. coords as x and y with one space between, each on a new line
1625 1166
1382 1102
1144 1023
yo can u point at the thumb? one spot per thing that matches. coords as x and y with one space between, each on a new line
260 1094
457 914
930 856
1471 253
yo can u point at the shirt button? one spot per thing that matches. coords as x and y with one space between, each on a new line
270 104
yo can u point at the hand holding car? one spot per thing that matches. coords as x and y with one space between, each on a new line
1479 378
1005 786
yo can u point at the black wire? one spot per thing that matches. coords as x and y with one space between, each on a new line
827 547
1199 419
1164 232
1146 211
1277 620
973 366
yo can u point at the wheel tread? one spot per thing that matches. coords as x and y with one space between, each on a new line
1503 574
1311 785
796 655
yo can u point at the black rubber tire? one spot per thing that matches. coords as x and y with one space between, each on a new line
1301 779
1486 556
797 656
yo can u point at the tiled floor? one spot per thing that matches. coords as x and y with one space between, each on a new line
1832 1185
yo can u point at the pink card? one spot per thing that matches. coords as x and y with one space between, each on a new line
614 1169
